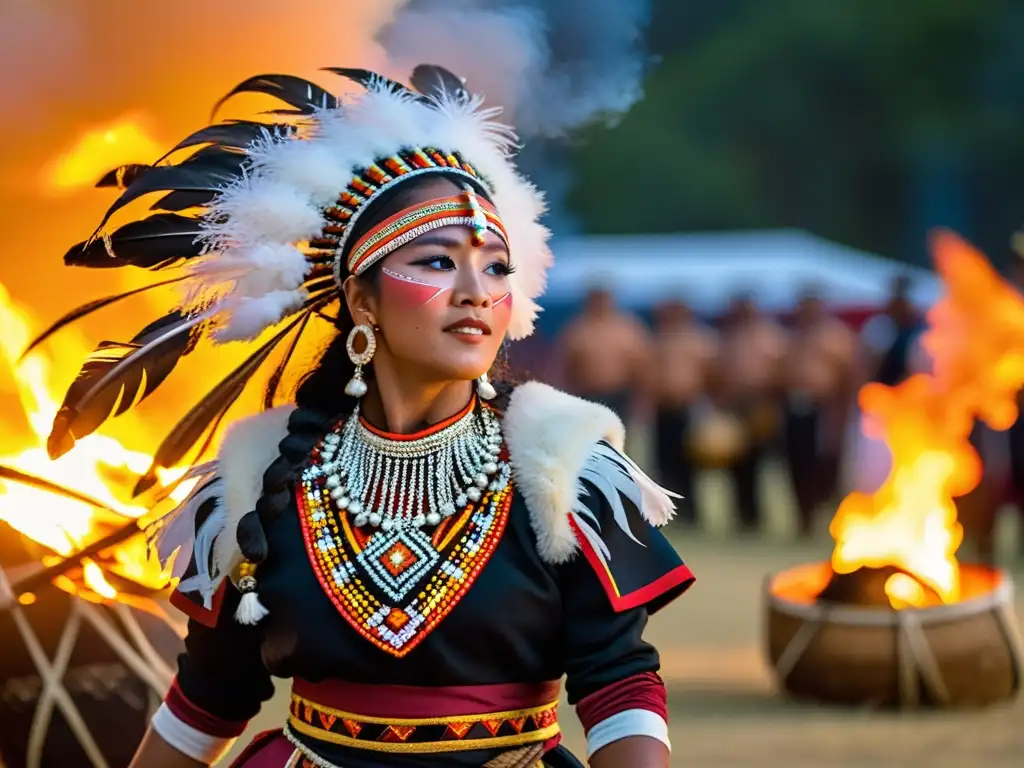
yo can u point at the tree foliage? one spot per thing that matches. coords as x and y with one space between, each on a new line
862 120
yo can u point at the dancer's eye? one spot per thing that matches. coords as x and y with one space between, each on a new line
441 263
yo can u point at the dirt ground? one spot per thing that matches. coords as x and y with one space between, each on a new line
725 711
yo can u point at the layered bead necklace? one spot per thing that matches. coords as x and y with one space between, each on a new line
394 484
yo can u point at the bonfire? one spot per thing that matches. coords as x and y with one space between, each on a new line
895 617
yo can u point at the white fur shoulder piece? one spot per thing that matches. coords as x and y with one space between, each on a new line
556 440
235 479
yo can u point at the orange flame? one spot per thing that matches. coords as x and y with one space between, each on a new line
59 524
976 341
96 151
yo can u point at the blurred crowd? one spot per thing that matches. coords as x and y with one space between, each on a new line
750 388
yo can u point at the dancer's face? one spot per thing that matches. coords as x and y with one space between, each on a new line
443 304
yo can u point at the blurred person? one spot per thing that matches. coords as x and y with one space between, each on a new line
367 537
819 378
684 352
605 354
889 337
890 352
746 385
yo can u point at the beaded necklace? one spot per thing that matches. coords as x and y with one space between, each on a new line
394 484
388 576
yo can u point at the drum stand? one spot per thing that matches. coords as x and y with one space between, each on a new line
129 643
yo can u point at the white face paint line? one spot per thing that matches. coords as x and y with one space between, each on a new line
414 281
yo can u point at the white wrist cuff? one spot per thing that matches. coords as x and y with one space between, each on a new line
631 722
189 741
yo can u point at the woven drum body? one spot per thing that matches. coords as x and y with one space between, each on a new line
967 654
114 699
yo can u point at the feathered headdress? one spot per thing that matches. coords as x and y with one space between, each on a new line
256 216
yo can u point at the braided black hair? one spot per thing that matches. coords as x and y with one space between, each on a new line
320 398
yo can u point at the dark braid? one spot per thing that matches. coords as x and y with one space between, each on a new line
320 398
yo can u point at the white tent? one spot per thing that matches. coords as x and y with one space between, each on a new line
706 269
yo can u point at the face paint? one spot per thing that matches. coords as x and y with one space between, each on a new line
501 306
417 291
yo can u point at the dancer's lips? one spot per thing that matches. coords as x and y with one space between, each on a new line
469 328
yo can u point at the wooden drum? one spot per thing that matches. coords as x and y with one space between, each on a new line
966 654
79 681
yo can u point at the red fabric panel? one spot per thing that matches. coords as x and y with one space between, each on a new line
269 749
406 701
206 617
643 691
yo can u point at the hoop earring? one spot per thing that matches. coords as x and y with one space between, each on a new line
356 387
485 389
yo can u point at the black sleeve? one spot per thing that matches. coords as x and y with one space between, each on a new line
601 645
222 671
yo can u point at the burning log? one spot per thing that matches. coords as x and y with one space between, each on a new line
866 587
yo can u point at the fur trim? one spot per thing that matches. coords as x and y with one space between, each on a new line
279 200
249 447
550 436
556 441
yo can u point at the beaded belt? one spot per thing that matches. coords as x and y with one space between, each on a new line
441 732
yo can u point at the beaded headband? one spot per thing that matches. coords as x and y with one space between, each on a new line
408 224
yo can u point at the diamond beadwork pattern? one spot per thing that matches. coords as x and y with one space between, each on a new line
395 587
398 560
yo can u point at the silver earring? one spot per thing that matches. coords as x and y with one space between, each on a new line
356 387
485 389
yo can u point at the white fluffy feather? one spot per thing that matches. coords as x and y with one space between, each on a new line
263 210
250 316
307 165
254 271
247 450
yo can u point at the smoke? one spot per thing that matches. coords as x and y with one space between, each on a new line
552 64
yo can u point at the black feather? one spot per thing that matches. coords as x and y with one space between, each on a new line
210 409
182 200
122 176
117 375
278 374
90 307
210 175
297 92
42 484
366 78
437 83
238 134
155 242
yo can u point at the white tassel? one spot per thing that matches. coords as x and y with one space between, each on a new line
250 609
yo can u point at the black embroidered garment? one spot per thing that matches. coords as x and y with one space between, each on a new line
468 609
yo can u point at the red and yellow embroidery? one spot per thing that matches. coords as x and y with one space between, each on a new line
395 587
425 735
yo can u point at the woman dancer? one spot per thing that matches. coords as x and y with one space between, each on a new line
424 553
